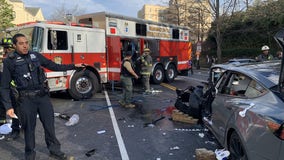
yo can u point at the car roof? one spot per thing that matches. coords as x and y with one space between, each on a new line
266 72
242 60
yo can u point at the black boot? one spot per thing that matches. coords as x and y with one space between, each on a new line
15 134
59 155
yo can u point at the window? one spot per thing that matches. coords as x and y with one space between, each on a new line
236 85
140 29
57 40
175 34
254 90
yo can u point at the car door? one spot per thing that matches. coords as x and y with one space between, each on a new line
231 89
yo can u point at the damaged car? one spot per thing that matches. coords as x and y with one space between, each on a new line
244 108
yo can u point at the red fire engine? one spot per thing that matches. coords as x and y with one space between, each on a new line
100 42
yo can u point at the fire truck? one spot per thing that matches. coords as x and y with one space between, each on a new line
100 40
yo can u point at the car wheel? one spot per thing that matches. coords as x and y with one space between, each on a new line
236 148
83 85
171 73
158 75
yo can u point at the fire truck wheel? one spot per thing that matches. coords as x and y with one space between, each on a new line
83 85
170 73
158 74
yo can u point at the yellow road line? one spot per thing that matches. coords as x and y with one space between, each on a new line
168 86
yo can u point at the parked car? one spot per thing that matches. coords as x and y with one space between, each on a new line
244 108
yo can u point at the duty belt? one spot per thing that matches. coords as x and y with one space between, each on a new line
32 93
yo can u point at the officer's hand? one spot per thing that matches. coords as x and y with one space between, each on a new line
10 113
80 65
136 77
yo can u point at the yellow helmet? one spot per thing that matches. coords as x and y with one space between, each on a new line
7 42
147 50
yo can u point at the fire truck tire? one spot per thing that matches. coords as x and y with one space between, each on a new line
158 75
84 84
170 73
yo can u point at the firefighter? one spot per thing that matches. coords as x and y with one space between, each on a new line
146 67
126 75
265 55
25 68
8 48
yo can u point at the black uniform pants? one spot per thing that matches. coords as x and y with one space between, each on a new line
2 113
15 122
2 108
29 107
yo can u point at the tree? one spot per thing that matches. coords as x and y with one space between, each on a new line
6 14
176 12
221 10
61 13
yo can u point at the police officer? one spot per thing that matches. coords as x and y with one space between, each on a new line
8 48
126 75
265 56
146 67
25 68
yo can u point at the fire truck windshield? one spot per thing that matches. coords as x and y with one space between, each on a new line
34 36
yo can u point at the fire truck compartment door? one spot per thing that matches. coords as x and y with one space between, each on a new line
80 43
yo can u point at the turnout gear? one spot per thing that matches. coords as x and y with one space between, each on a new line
146 68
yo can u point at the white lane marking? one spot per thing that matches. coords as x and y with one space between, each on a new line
122 149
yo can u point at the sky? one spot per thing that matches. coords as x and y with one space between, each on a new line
123 7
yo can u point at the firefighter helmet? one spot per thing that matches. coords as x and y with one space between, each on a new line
7 42
264 48
147 50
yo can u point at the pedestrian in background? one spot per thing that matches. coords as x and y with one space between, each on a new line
208 62
279 55
126 75
265 55
24 67
7 45
146 68
190 67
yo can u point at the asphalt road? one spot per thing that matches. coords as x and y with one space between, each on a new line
116 133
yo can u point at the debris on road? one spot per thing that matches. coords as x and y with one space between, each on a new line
74 119
152 124
201 135
204 154
90 152
63 116
5 128
181 117
101 131
222 154
174 148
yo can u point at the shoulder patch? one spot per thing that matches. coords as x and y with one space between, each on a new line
33 56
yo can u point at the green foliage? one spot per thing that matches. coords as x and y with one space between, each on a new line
244 32
6 14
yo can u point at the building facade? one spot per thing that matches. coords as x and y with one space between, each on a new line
25 14
195 14
152 12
